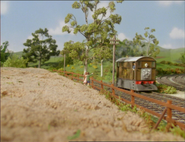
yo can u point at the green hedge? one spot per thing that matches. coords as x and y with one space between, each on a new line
169 71
170 63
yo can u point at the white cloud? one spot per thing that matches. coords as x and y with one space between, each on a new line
4 7
122 36
58 29
168 46
177 33
100 5
168 3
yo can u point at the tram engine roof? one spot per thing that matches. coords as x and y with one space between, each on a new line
130 59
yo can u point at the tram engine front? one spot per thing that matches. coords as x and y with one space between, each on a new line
146 74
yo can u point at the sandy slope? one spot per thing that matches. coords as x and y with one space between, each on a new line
40 106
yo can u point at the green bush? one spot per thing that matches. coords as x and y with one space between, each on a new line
170 63
166 89
1 64
169 71
15 61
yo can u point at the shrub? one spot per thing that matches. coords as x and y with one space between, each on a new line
159 71
169 63
166 89
163 62
61 69
15 61
72 67
176 64
1 64
95 67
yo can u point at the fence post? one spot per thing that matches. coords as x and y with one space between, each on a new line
159 120
132 99
78 78
169 110
113 92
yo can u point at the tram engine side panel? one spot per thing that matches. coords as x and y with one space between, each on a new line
141 78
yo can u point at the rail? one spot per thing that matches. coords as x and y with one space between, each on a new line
169 106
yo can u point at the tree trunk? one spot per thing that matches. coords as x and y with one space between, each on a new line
101 68
86 61
64 62
84 70
113 63
148 47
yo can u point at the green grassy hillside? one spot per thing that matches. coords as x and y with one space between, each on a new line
171 55
18 53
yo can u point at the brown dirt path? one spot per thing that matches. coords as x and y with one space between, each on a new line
40 106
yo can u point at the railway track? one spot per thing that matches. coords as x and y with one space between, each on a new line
176 115
176 80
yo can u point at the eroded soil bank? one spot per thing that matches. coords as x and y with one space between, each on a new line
40 106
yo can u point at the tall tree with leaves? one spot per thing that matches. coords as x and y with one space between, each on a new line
182 58
4 51
74 50
149 41
100 27
40 47
102 52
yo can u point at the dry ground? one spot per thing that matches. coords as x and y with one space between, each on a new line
40 106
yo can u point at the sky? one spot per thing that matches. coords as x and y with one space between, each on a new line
19 19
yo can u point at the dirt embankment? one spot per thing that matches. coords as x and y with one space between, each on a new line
40 106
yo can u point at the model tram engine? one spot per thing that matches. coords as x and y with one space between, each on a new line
136 73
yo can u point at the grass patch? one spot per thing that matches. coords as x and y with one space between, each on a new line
76 135
171 55
166 89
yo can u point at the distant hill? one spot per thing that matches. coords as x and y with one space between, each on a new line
18 53
171 55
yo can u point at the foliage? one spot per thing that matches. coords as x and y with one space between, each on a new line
166 89
127 48
182 58
1 64
170 63
151 48
177 131
15 61
168 71
4 51
74 50
40 47
101 28
68 59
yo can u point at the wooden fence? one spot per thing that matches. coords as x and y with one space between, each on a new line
169 106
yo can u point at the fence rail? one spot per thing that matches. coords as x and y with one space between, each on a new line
168 105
